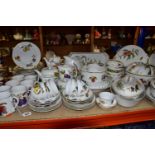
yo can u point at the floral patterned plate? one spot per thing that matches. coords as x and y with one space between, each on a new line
86 58
26 55
131 53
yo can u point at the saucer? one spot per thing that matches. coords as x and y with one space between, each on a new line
103 105
78 106
149 96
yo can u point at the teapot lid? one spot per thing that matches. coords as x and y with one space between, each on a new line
128 87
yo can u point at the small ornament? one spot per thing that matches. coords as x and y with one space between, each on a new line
97 34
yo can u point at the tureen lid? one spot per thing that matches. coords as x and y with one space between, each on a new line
141 69
128 87
115 64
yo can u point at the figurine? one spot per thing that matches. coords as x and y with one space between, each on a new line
97 34
87 39
35 34
78 38
109 34
104 36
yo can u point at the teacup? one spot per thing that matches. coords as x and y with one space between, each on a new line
12 83
7 103
27 83
20 92
19 77
106 97
4 88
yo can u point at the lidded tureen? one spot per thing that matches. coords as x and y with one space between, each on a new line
128 87
141 71
128 91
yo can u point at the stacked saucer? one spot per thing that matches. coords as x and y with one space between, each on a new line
78 96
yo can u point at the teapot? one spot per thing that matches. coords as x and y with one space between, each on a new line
44 91
52 61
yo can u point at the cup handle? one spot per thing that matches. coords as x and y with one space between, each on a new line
15 101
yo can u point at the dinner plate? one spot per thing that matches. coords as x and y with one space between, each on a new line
26 55
131 53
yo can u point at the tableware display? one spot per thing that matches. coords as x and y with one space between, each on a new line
141 71
149 95
152 59
131 53
26 55
86 58
106 100
12 83
20 92
7 103
128 90
152 87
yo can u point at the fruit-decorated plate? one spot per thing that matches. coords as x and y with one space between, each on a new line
131 53
26 55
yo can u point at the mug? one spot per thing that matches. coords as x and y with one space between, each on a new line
21 93
7 103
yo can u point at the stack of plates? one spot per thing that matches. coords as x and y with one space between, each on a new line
79 105
45 107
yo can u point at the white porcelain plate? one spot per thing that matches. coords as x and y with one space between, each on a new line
131 53
26 55
152 59
90 57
